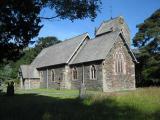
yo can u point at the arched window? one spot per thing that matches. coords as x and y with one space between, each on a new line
92 72
74 73
41 76
52 75
119 63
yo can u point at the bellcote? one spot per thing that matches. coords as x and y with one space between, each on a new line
114 24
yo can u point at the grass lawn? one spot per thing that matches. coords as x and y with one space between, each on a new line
43 104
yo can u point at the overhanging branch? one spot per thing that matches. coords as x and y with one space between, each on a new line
48 18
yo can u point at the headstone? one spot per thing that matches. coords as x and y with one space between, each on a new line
82 90
10 89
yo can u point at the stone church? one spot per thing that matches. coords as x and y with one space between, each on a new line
104 63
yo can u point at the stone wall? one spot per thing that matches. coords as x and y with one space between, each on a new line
90 84
31 83
47 82
64 79
112 81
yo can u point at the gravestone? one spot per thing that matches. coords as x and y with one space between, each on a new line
82 90
10 89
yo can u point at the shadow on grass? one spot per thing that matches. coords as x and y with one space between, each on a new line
36 107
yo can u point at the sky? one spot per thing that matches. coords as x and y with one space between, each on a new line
133 11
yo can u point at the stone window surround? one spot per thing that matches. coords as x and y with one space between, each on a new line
93 74
74 72
41 76
52 75
119 65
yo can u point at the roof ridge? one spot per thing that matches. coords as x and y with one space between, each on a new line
77 36
113 19
62 42
117 31
78 47
99 26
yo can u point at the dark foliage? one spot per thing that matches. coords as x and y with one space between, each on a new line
149 32
148 69
44 42
73 9
9 70
20 20
19 23
148 41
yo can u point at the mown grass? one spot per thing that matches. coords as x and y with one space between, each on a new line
61 94
43 104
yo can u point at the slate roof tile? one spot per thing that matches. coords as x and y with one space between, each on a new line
96 49
59 53
29 71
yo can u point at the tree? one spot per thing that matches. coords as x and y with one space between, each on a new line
20 20
44 42
19 23
149 33
10 69
147 39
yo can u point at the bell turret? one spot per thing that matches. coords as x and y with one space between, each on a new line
114 24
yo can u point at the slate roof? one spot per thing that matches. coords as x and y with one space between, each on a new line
111 24
29 71
60 53
97 48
